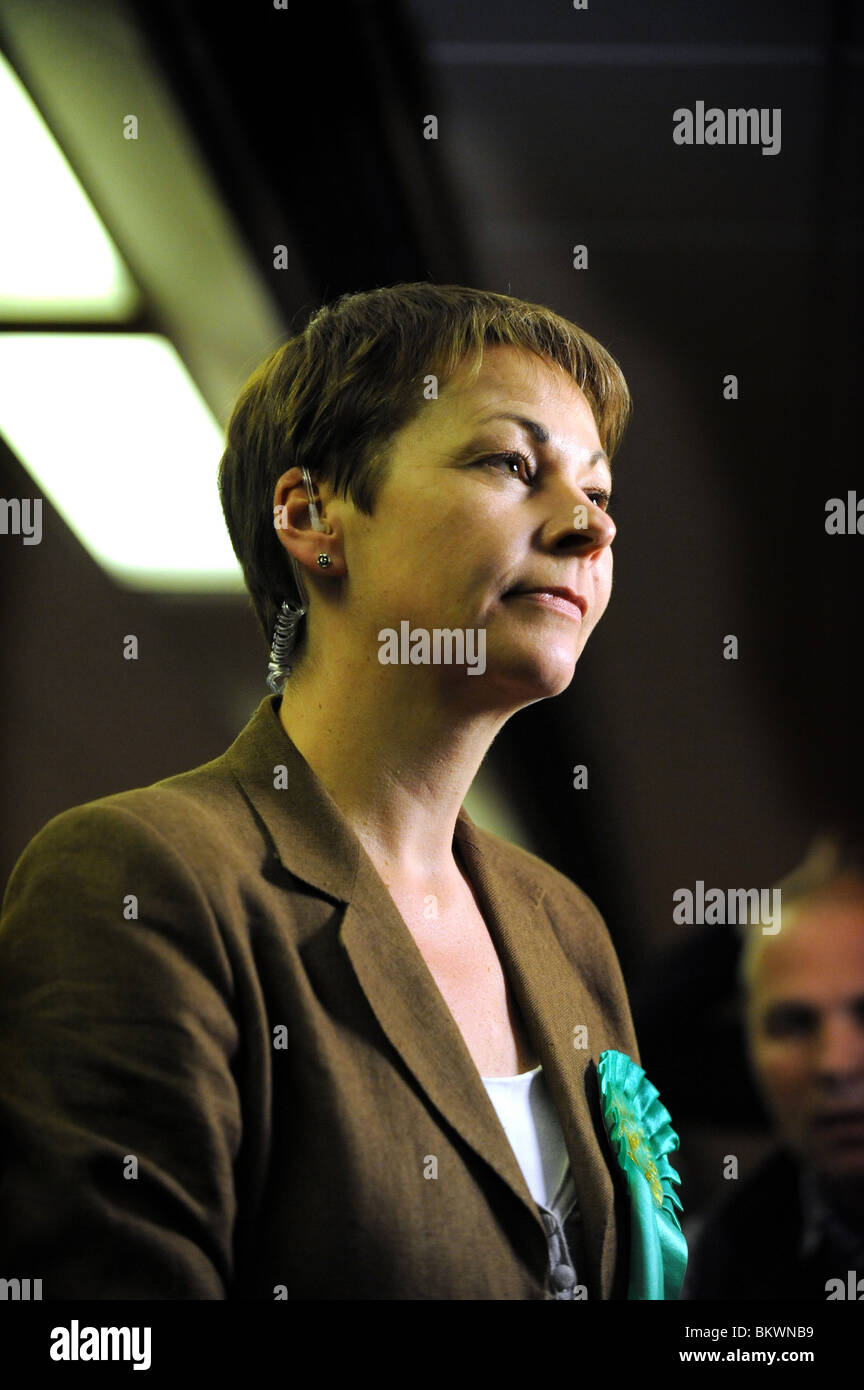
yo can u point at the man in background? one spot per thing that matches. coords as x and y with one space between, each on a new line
794 1229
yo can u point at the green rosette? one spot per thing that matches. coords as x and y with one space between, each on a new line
641 1134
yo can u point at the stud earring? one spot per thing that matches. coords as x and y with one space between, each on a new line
324 561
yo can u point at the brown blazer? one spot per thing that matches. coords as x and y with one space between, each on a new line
237 1092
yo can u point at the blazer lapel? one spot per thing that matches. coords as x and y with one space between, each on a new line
554 1002
412 1013
315 843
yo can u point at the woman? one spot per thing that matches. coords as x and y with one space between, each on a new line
289 1025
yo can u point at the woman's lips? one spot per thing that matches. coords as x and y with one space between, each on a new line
572 607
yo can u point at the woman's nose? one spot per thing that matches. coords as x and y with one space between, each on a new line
592 529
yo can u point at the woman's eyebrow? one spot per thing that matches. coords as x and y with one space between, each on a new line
540 434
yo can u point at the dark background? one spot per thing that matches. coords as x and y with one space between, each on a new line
555 128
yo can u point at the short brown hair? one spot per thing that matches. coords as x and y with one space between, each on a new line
334 395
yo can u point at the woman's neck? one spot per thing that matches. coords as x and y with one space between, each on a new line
397 762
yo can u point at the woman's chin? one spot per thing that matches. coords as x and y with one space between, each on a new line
526 677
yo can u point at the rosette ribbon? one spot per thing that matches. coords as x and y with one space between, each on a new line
641 1135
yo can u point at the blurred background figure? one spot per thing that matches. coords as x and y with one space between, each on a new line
794 1227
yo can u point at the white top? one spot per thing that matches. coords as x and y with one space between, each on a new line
530 1121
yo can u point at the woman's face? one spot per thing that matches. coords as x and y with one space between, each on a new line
462 523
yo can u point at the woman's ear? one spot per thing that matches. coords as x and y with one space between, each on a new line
293 513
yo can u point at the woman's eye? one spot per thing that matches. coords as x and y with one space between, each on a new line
510 459
600 497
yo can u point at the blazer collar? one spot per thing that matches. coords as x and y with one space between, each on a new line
314 842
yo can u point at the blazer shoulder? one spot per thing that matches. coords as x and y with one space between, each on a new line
174 859
196 818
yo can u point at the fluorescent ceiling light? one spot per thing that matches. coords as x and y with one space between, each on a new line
116 434
56 259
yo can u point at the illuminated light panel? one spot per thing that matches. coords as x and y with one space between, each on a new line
56 259
117 436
